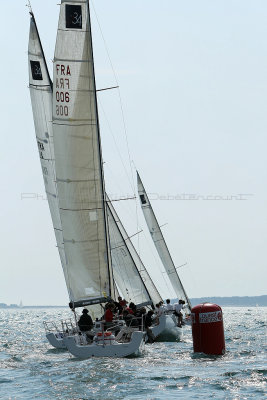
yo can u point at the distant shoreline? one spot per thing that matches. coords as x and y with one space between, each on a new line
234 301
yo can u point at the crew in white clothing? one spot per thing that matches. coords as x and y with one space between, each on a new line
178 312
168 306
159 309
178 307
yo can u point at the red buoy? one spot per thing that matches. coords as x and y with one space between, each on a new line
207 329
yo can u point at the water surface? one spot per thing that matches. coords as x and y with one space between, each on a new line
31 369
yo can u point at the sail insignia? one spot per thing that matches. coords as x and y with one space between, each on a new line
73 16
36 70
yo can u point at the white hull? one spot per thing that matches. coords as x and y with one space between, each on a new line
56 340
100 349
167 330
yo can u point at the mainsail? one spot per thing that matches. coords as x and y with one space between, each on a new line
160 243
129 272
41 99
78 160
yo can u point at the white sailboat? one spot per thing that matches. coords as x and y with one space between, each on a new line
161 246
40 86
132 276
77 204
78 208
80 178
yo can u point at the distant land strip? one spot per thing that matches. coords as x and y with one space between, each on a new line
234 301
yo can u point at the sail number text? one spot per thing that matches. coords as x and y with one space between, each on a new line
62 94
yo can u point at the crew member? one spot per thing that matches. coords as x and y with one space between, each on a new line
85 322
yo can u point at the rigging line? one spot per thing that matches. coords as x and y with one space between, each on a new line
163 225
112 87
137 233
124 122
136 213
115 76
180 266
157 261
119 258
120 230
116 146
126 198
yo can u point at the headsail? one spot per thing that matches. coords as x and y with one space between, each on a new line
129 272
79 172
41 98
160 243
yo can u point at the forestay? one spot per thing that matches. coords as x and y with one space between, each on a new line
129 272
160 243
41 98
78 159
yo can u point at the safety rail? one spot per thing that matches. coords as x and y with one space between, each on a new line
105 332
51 327
135 324
68 327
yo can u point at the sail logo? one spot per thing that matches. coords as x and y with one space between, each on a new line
36 71
73 16
206 318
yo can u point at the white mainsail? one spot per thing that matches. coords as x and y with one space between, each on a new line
129 272
41 98
78 160
160 243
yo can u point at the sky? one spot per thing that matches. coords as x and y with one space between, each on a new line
190 115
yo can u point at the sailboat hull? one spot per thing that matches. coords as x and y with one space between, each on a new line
114 349
56 340
166 330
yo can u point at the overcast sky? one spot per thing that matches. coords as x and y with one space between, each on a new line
193 84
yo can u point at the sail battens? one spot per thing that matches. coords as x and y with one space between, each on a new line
80 209
117 247
70 123
46 159
76 180
73 241
39 138
73 1
40 87
71 60
51 194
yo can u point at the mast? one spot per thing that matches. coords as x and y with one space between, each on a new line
78 159
111 283
160 243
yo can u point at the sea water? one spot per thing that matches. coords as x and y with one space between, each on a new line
31 369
